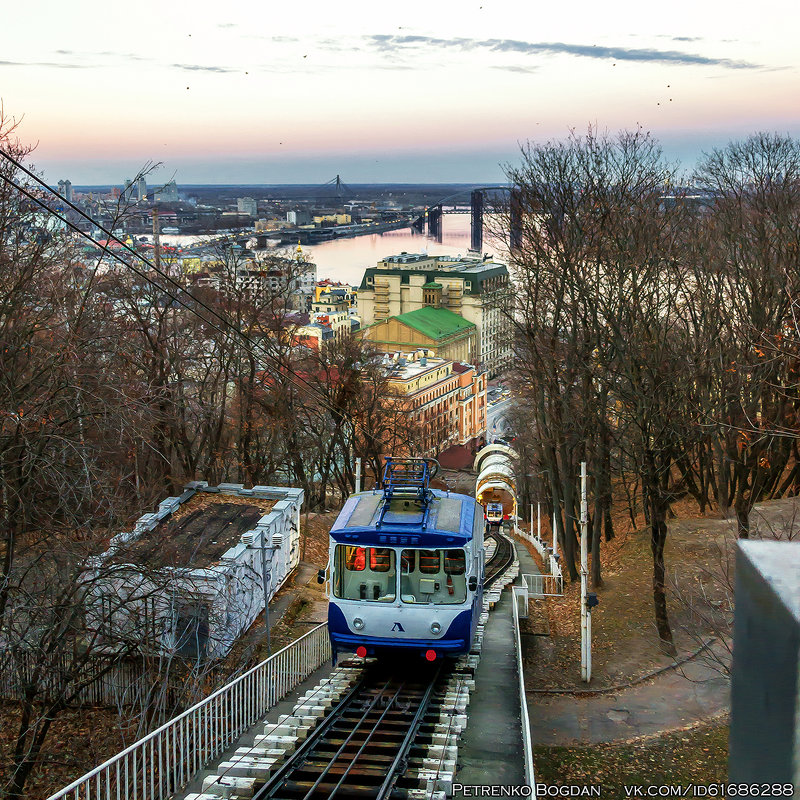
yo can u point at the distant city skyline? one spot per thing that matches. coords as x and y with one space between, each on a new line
249 93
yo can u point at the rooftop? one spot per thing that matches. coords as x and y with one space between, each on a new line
198 533
411 369
433 267
461 368
418 261
450 519
437 323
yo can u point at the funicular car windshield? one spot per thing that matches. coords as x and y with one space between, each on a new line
364 573
433 576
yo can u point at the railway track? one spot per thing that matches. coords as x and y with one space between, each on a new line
362 748
501 560
385 722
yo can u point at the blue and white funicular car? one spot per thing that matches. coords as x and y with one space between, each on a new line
406 567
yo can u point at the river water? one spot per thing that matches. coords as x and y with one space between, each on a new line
345 260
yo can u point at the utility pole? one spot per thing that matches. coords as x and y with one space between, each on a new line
539 520
358 475
586 617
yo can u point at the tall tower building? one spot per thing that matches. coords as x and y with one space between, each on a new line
65 190
141 190
168 193
246 205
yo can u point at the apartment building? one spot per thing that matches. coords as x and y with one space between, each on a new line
329 320
334 311
477 289
246 205
294 278
447 399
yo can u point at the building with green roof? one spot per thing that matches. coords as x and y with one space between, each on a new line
446 333
473 287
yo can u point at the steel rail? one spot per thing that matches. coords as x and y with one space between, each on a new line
400 763
302 758
360 750
501 560
276 779
349 738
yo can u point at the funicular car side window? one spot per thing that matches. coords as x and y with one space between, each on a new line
355 558
380 559
429 561
364 573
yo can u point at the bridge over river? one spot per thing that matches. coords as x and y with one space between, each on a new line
481 200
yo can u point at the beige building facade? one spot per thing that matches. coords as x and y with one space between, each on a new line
439 330
446 399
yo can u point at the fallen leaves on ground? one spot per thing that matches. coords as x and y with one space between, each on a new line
697 754
625 644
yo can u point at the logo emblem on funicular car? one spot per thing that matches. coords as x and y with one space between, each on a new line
398 627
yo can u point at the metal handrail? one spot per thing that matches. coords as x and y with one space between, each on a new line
540 585
527 746
164 761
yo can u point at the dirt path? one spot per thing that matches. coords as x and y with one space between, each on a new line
626 649
673 700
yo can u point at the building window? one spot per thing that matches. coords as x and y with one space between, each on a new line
191 630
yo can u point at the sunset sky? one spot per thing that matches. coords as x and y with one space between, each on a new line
295 92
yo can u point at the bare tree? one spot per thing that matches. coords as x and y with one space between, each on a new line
752 231
604 351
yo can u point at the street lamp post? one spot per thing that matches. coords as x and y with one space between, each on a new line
249 540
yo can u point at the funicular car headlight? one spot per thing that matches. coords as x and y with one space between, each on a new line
436 628
358 623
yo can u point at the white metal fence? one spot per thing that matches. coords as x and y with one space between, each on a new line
544 585
108 680
165 760
555 582
527 746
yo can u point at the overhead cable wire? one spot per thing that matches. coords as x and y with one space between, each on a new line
290 374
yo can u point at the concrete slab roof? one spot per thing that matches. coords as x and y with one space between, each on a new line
198 533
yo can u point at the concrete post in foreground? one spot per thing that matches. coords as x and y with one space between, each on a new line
765 682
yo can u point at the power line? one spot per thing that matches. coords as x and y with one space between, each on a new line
289 373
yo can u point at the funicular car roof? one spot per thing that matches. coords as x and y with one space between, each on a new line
450 521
